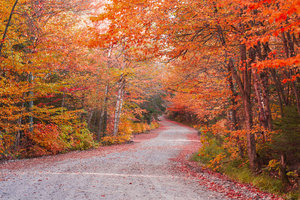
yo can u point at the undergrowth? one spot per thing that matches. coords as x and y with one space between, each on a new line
126 130
239 170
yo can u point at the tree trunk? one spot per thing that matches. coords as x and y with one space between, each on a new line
233 96
90 117
285 45
7 25
288 43
283 176
230 68
258 94
261 84
119 104
30 105
266 99
103 115
279 88
297 98
246 74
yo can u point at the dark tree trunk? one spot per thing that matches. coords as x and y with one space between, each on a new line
103 116
230 77
233 97
283 176
7 25
30 103
246 73
261 89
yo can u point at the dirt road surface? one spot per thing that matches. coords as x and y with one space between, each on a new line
153 167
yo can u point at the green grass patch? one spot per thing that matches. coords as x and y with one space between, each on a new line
241 173
261 181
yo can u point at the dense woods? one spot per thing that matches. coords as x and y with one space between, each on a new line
75 73
59 90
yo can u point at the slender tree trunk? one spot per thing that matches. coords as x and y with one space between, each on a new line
103 115
285 45
266 99
246 74
90 117
233 96
288 43
19 135
291 45
262 85
295 40
279 87
283 176
230 68
297 98
119 104
30 106
258 94
7 25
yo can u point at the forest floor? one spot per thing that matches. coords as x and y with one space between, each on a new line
156 166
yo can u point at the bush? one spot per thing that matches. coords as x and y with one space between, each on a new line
110 140
77 137
44 140
211 150
287 139
213 154
6 145
126 129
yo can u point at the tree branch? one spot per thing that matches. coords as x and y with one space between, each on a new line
7 25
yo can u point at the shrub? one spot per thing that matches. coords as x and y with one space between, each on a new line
287 139
77 137
210 151
44 140
6 145
109 140
126 129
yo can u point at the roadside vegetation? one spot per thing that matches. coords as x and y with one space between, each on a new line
75 74
220 153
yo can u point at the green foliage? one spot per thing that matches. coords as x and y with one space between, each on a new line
210 150
239 171
244 175
6 144
154 107
77 137
49 139
287 138
214 155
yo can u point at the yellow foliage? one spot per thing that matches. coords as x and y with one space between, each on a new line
126 129
6 143
215 164
109 140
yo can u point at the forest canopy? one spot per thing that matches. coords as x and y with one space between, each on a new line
75 74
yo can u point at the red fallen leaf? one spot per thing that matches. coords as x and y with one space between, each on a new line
103 195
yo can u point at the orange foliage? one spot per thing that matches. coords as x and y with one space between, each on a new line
44 140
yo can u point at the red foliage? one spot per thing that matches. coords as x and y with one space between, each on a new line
44 140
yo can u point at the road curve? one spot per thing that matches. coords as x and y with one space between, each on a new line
145 171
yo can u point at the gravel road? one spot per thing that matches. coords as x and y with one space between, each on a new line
144 170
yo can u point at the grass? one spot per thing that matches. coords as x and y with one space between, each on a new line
243 174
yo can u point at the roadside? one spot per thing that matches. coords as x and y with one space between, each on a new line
155 166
